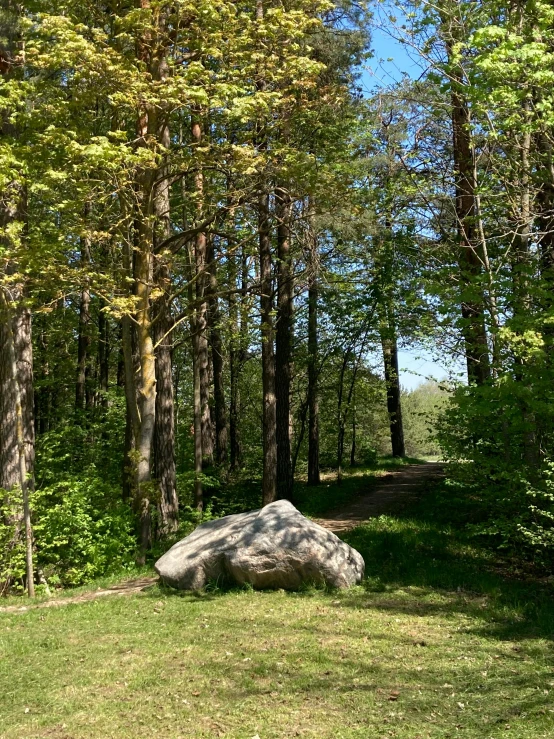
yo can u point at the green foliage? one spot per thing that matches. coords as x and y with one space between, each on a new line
82 526
421 408
83 529
490 435
12 550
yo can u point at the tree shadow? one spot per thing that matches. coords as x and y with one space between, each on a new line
448 573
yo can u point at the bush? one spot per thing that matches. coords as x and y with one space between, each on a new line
82 529
497 439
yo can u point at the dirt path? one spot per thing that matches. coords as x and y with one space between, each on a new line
127 587
395 488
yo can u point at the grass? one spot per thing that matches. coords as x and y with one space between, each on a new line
437 643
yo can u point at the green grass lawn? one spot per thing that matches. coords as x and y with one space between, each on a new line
437 643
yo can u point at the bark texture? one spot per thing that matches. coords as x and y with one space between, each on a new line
392 383
283 344
469 259
313 361
269 482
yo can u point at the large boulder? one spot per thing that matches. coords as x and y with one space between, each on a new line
275 547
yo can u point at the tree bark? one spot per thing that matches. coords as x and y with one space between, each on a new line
470 263
84 339
164 431
392 383
201 315
220 414
234 367
269 410
283 344
164 428
313 370
21 394
269 418
103 356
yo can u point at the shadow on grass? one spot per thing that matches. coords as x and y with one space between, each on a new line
420 552
421 561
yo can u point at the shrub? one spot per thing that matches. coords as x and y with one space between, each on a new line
82 529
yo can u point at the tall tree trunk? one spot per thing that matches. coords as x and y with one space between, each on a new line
269 418
283 344
84 338
313 369
469 259
234 367
164 428
147 383
392 383
201 327
20 392
220 413
17 428
269 409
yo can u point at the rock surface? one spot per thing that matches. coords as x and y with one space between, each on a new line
275 547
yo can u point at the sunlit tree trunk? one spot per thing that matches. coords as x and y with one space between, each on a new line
283 343
16 332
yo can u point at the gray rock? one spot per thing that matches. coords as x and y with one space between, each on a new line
275 547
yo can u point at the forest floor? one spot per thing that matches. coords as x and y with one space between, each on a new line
443 640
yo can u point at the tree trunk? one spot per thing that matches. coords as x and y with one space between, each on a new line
353 444
341 415
103 356
470 263
147 377
164 428
20 392
269 483
234 367
217 362
313 370
164 432
84 339
283 344
269 409
201 322
392 383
